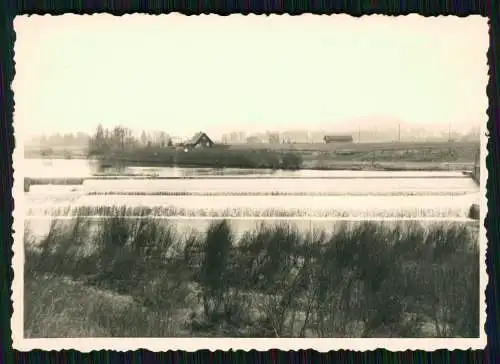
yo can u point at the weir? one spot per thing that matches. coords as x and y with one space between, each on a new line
476 171
28 182
359 182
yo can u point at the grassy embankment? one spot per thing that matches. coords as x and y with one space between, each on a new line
140 278
382 156
215 157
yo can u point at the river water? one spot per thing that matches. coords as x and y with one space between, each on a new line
82 168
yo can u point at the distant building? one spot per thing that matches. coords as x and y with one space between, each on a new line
253 140
337 139
199 140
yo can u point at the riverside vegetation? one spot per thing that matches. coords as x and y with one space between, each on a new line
376 148
122 277
325 157
209 157
223 212
119 146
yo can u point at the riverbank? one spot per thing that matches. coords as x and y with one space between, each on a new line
362 156
362 279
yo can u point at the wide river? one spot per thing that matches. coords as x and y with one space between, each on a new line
193 196
383 193
81 168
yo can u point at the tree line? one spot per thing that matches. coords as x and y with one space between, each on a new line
122 138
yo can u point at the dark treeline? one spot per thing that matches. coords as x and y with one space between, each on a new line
119 145
121 138
103 139
361 280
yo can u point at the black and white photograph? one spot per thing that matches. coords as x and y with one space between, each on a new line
208 182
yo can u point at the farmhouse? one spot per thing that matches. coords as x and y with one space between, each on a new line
337 139
199 140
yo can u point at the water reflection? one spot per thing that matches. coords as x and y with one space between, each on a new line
82 168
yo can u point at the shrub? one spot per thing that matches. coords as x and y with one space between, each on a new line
291 161
474 212
213 275
351 280
209 157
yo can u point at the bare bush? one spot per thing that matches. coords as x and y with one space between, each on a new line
353 280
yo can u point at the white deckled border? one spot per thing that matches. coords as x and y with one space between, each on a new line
225 344
192 344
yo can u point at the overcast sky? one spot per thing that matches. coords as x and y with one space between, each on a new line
183 74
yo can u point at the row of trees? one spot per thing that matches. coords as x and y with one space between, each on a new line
122 138
60 140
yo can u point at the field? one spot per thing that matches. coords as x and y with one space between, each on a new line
120 277
347 148
384 156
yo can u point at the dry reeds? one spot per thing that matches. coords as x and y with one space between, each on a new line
361 279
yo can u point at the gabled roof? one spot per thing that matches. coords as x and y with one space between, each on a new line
196 138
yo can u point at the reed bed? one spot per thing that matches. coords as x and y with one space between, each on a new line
174 211
141 278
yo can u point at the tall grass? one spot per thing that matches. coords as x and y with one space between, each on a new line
124 277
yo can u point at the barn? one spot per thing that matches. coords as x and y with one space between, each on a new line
337 139
200 140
